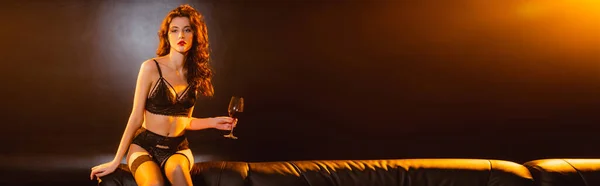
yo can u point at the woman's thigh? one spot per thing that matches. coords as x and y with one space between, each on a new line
182 159
144 170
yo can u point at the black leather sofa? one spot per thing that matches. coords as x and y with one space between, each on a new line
571 172
409 172
401 172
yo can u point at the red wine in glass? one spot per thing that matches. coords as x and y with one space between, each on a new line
236 106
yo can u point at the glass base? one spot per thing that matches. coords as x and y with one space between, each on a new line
230 136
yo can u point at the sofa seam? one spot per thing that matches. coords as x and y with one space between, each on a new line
490 174
301 173
405 176
578 172
220 173
324 168
247 179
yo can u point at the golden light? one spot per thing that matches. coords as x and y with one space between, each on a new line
575 23
532 9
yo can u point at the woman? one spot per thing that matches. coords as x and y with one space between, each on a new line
165 95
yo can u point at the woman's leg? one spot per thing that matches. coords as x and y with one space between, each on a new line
145 171
178 166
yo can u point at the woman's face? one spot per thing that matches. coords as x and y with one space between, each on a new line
180 34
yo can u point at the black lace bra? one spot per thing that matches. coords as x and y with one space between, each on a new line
163 101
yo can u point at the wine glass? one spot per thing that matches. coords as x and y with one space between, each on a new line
236 105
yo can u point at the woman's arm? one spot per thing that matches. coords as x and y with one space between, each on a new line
136 118
221 123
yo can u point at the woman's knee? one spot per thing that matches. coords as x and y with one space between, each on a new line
177 163
149 180
148 173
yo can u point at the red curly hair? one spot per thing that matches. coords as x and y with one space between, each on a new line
199 72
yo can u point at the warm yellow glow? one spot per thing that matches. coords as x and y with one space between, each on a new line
567 28
579 20
533 9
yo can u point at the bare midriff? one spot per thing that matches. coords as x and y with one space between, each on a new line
170 126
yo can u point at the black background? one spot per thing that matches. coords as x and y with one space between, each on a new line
321 79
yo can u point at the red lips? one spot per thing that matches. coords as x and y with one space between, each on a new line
181 43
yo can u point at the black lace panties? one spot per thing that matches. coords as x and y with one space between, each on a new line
159 147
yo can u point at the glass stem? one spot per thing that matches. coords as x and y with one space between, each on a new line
231 131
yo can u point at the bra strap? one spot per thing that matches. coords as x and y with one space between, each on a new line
159 72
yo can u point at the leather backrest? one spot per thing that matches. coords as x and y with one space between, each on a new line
406 172
565 172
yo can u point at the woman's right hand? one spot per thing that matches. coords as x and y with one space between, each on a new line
103 169
223 122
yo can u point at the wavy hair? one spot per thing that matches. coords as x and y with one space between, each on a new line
199 72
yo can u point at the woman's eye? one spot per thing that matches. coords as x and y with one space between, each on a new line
188 30
173 30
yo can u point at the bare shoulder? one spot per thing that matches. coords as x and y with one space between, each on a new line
148 68
148 65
